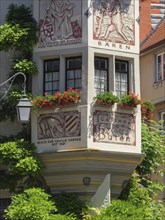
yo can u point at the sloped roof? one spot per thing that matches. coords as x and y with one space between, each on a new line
155 38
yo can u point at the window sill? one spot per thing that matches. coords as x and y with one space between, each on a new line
158 84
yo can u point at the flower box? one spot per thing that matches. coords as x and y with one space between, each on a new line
130 100
106 99
57 100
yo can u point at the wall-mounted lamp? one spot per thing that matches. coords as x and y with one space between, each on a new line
24 106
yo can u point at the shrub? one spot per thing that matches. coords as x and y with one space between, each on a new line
71 204
32 204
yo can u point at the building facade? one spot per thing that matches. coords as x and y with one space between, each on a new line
152 60
92 46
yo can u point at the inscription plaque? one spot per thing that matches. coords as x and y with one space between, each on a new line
114 127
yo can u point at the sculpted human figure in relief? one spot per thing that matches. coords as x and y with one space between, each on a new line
111 20
61 12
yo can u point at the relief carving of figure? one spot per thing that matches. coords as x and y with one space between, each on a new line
50 127
112 21
61 12
60 21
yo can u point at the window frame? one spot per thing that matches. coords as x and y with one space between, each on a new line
44 78
162 115
67 69
127 73
102 58
162 67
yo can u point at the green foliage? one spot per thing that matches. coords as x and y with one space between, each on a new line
106 98
149 105
20 162
33 204
26 66
139 205
122 210
22 16
131 100
68 203
12 36
153 147
19 14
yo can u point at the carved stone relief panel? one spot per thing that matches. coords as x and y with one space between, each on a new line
114 127
114 21
58 125
60 22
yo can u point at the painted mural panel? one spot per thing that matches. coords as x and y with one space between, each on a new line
114 21
58 125
114 127
60 22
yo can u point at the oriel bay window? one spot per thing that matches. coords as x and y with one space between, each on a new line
101 75
74 73
51 76
121 77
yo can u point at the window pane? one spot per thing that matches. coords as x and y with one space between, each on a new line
70 74
78 83
77 73
123 67
159 67
117 66
123 87
102 85
74 72
103 64
101 74
123 78
48 77
56 85
55 76
117 76
70 84
118 94
48 86
97 74
97 66
78 63
70 64
51 74
117 86
52 65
